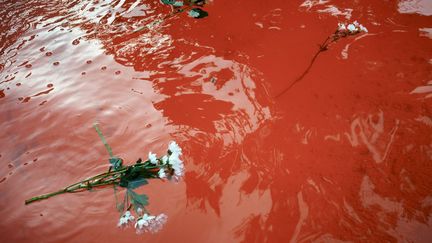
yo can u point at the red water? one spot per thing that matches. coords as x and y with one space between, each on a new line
345 155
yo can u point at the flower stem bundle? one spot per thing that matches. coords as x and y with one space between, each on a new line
130 177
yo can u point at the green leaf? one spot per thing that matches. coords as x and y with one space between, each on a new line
169 2
116 162
138 200
197 13
178 4
137 183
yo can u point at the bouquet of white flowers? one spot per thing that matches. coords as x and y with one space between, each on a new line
168 166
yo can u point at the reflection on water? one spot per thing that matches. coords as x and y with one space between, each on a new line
423 7
344 156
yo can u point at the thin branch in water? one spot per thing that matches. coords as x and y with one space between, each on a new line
342 31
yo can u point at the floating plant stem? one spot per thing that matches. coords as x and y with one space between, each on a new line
341 32
108 148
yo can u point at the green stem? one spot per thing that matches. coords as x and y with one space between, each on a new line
108 148
72 188
102 179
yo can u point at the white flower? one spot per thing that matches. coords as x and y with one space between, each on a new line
177 165
164 159
161 173
174 148
351 28
356 24
341 27
152 157
149 223
363 29
125 219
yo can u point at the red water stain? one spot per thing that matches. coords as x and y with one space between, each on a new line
342 156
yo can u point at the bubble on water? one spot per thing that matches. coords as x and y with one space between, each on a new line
103 68
83 73
48 54
42 49
89 61
18 84
117 72
49 85
56 63
28 65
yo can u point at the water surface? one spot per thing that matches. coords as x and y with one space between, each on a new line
343 156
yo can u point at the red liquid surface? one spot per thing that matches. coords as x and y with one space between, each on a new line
344 155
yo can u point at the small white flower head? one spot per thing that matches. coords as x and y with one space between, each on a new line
341 27
351 28
356 24
161 173
140 211
177 165
174 148
164 160
363 29
152 157
149 223
125 219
